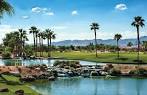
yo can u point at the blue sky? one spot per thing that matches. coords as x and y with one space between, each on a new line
70 19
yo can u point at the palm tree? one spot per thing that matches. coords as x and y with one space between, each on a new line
95 26
43 37
138 22
39 37
117 37
34 31
49 35
5 7
23 38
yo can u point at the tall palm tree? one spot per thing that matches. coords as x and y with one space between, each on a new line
35 32
39 37
23 38
94 27
49 35
138 22
5 7
43 37
117 37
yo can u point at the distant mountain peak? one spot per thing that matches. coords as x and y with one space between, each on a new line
122 42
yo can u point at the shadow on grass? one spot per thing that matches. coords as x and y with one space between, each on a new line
139 61
13 83
122 59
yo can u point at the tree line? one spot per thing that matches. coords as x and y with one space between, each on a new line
16 41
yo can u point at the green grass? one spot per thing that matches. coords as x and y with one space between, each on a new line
13 84
127 57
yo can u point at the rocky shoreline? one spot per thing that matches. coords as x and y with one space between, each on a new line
71 69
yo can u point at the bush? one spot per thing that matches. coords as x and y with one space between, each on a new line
6 55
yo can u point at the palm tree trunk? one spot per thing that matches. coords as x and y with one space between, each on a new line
95 43
117 50
36 45
23 48
40 46
48 47
138 40
34 42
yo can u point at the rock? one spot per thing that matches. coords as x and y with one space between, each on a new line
94 73
52 78
4 90
19 92
27 78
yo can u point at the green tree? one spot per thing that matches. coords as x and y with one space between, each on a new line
95 27
43 37
144 45
138 22
130 44
34 31
23 38
40 45
117 37
5 7
49 35
12 40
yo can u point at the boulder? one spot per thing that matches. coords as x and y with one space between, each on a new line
94 73
52 78
27 78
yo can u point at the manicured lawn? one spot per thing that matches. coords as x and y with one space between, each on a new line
126 57
14 84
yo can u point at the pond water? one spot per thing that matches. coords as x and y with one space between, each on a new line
92 86
83 86
49 62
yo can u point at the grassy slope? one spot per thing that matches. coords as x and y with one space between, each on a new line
16 86
102 57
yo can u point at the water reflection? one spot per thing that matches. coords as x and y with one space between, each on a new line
19 62
12 62
49 62
93 86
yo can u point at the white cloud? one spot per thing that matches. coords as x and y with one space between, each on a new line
75 12
25 17
121 7
49 13
44 11
36 9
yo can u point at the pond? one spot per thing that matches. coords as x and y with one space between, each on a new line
92 86
49 62
83 86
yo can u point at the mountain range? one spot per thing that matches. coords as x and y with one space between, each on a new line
122 42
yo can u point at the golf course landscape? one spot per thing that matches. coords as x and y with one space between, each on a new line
73 47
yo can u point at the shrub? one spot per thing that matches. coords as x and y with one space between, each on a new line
6 55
